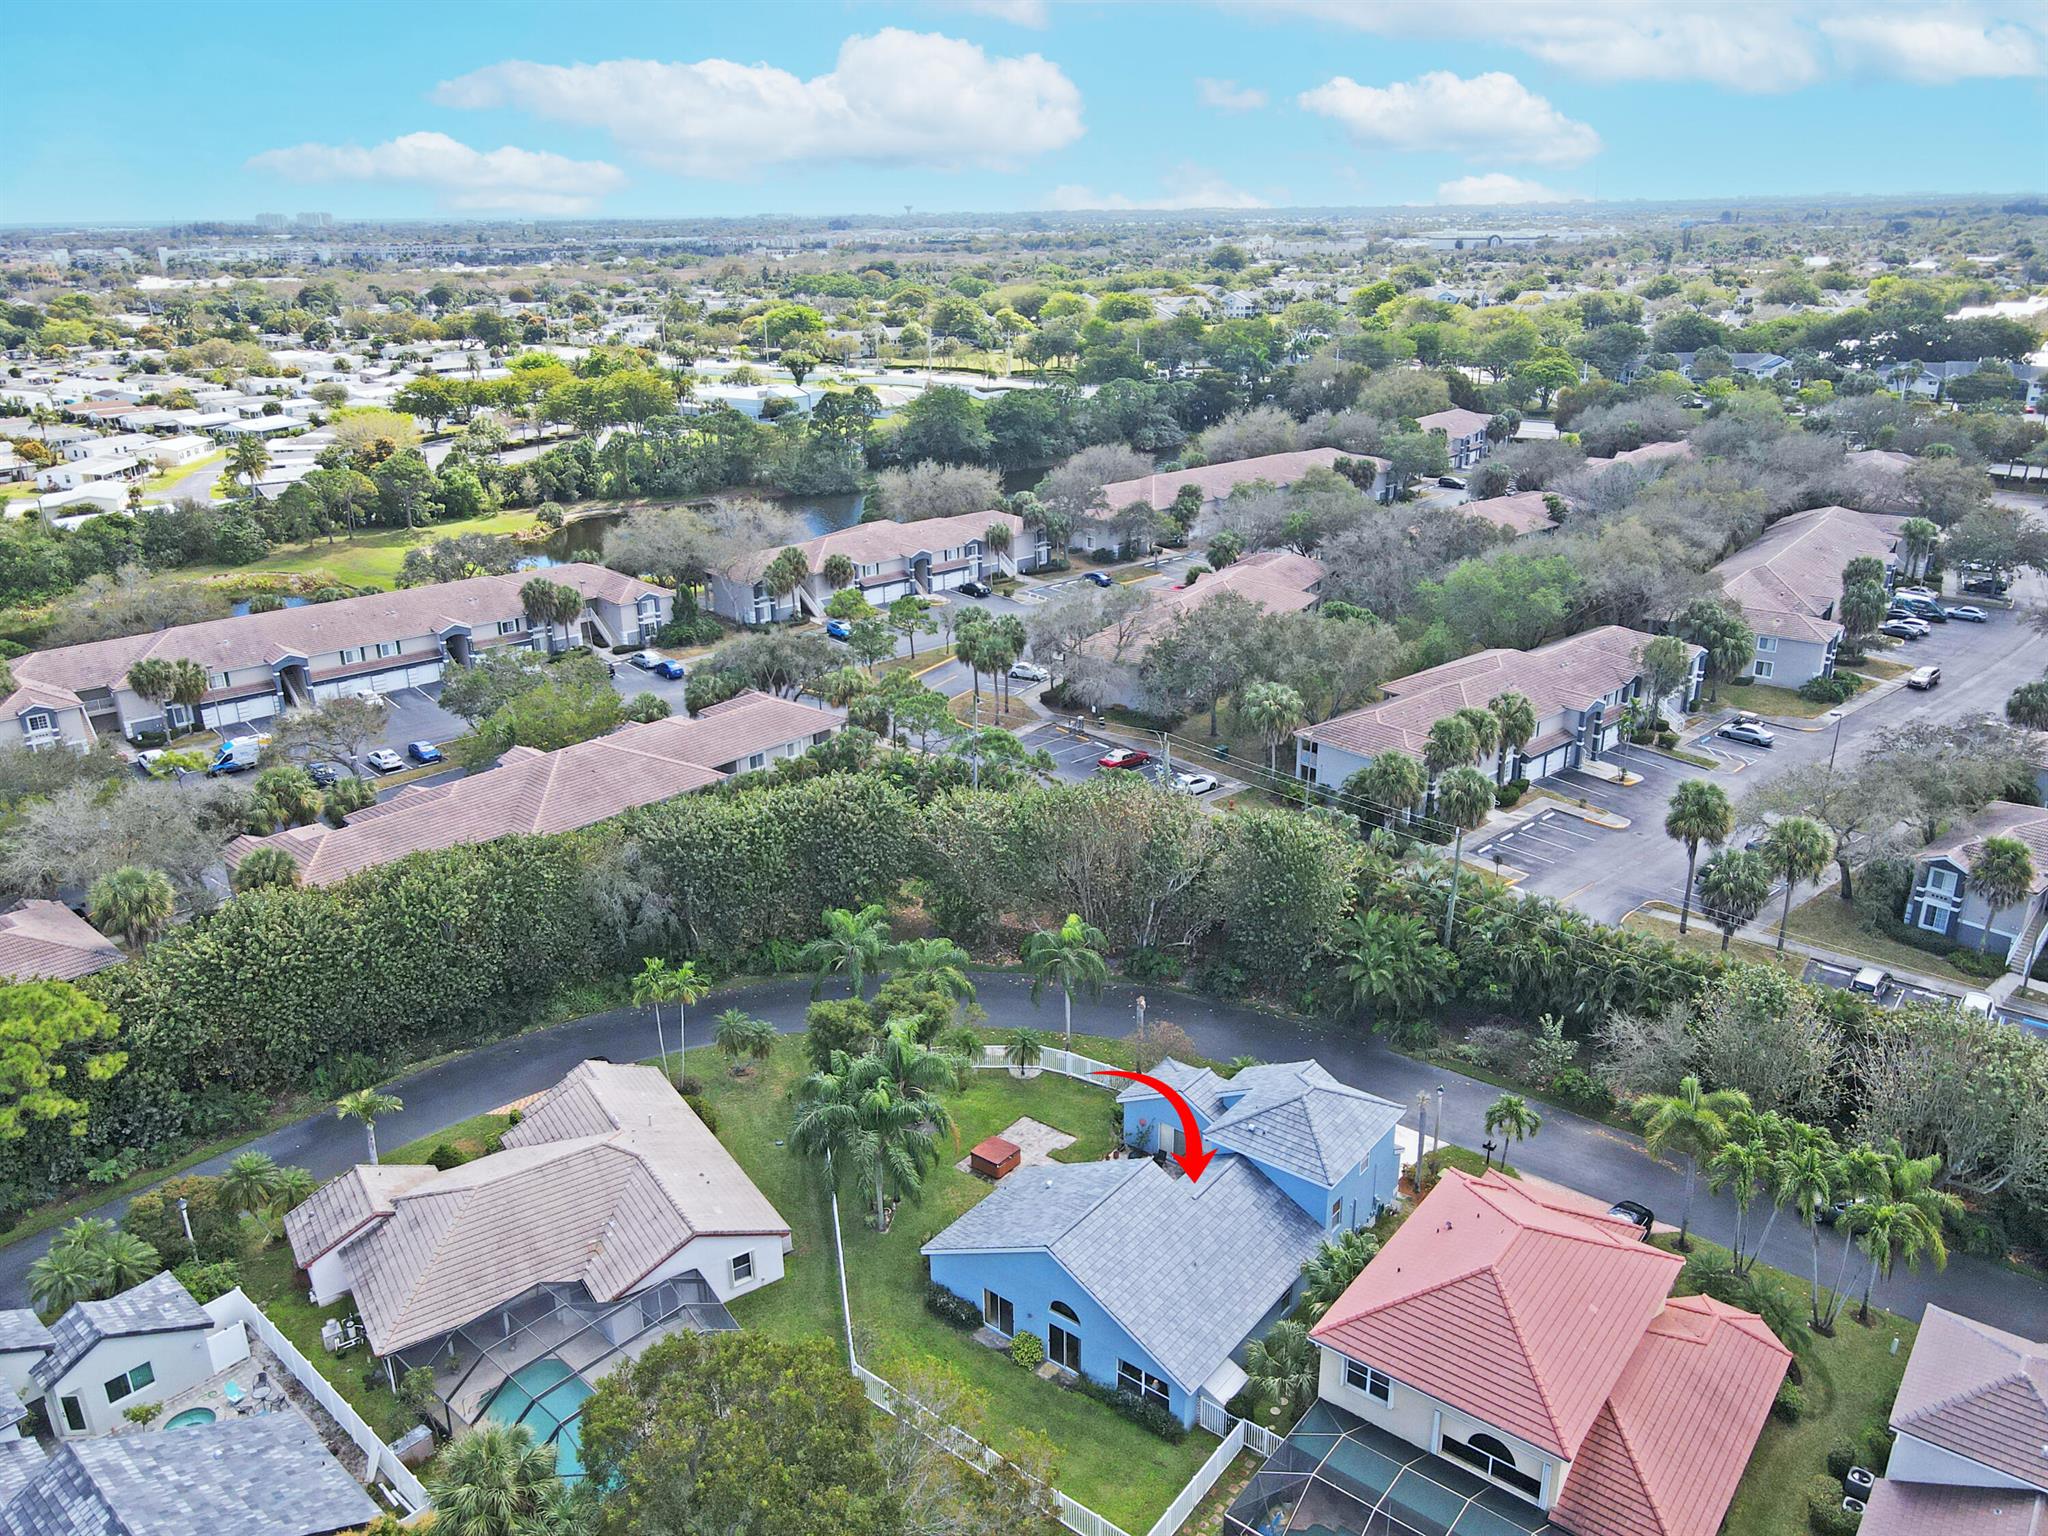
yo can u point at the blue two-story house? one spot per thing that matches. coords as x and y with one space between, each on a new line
1139 1278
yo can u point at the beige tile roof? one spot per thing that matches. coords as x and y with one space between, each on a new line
1277 580
601 1183
1455 422
1652 453
1524 512
47 941
1565 674
1790 577
1219 480
31 695
2027 824
882 541
260 639
1932 1509
1979 1392
536 792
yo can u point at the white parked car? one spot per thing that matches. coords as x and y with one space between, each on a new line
1918 594
1194 783
384 760
1029 672
1871 981
1978 1003
1969 613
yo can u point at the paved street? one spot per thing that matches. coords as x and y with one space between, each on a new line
1585 1154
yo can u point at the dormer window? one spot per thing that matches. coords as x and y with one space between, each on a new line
38 721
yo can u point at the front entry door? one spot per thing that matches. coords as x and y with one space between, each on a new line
1064 1348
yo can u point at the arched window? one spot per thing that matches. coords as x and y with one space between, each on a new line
1061 1309
1491 1456
1497 1449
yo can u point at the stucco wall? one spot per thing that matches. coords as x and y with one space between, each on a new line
180 1360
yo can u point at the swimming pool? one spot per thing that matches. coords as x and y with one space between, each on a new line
547 1397
189 1417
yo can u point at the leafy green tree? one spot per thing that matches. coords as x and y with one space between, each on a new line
1510 1118
495 1480
855 944
741 1036
367 1106
48 1031
1070 957
1699 812
1690 1124
1797 848
133 902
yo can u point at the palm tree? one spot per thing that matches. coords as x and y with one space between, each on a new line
1273 709
250 1181
1464 798
189 683
493 1481
248 458
1741 1167
2028 706
1070 955
63 1277
741 1035
1797 848
1392 783
1281 1369
1909 1219
1511 1118
126 1260
1692 1124
1332 1267
1806 1182
264 867
939 962
1919 536
294 1187
1448 745
1699 813
368 1105
133 902
1023 1049
838 571
1515 718
1392 963
1238 1064
2003 874
786 572
153 679
1734 885
852 1115
548 603
658 983
1485 728
856 943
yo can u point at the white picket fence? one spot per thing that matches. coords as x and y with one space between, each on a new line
1065 1063
235 1307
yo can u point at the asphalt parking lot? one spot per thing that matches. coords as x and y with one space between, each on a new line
1076 756
1549 841
1896 994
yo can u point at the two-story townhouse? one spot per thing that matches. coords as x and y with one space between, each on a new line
1944 901
1578 687
1512 1360
142 1346
1789 583
1464 434
40 715
889 560
261 663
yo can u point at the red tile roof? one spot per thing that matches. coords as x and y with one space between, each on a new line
1524 512
1518 1311
47 941
1273 580
1667 1449
1790 577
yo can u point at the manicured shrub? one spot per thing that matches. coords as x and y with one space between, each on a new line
1824 1513
153 1217
1027 1349
446 1156
705 1112
1505 795
1790 1406
206 1281
1142 1411
956 1310
1841 1457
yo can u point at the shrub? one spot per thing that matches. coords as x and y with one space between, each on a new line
416 1391
206 1281
1984 965
688 1086
948 1308
645 708
1844 1455
1667 739
1027 1349
1877 1446
704 1111
446 1155
153 1217
1824 1512
1827 690
1499 1048
1576 1088
1790 1406
1142 1411
1152 965
141 1413
1505 795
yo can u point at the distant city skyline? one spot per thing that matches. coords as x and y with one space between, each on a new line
984 106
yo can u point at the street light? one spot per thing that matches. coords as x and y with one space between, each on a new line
185 1216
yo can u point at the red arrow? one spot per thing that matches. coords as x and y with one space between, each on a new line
1194 1160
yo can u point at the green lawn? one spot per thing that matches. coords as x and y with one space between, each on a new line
472 1138
1848 1380
268 1279
1116 1468
1783 703
367 560
1827 920
1704 937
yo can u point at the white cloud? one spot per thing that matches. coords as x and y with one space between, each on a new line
1229 96
1486 117
1019 13
908 98
1188 186
1936 49
521 180
1499 189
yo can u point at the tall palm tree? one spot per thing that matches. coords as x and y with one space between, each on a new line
1515 717
368 1105
250 1181
152 679
248 458
937 961
2002 873
1699 813
294 1187
1741 1167
1862 1180
1691 1124
1329 1271
126 1260
853 1117
1511 1118
1734 885
658 983
1281 1370
1070 955
1806 1182
133 902
1484 725
1448 745
1915 1217
856 943
1797 848
493 1481
1919 536
1273 709
1464 798
189 683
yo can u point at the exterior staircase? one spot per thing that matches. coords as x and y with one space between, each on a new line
2020 957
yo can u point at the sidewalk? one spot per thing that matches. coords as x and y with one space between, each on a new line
1765 932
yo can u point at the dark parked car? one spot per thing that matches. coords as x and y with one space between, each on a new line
326 775
1986 586
1100 578
1641 1215
424 752
975 589
1450 482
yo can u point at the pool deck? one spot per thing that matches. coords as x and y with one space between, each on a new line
281 1395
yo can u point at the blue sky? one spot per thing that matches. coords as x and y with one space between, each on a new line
157 112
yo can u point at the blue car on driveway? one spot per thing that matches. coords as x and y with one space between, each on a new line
838 629
669 668
423 752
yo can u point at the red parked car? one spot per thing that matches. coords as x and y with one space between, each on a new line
1124 757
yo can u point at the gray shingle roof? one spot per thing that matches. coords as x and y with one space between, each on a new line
1187 1268
1298 1118
265 1476
12 1409
1201 1087
158 1305
22 1329
20 1461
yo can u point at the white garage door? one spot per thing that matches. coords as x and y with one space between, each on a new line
240 711
420 676
946 581
888 592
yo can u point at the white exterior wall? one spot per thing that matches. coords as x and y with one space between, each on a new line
1423 1420
71 729
1789 663
180 1360
712 1258
328 1276
1915 1461
14 1372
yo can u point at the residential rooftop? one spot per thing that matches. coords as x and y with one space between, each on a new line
1216 481
1788 581
158 1305
47 941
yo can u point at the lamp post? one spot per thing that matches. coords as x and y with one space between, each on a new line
1487 1147
1439 1117
185 1216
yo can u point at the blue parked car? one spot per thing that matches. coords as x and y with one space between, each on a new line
838 629
1100 578
423 752
669 668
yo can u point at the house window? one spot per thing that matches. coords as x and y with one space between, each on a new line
1765 644
1363 1378
74 1416
132 1381
387 647
1493 1458
35 721
1766 668
1337 1212
508 626
742 1268
1142 1383
758 760
1063 1346
1939 898
1061 1309
999 1313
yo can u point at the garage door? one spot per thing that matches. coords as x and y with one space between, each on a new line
240 711
420 676
946 581
888 592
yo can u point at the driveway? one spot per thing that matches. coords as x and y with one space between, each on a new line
1570 1149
